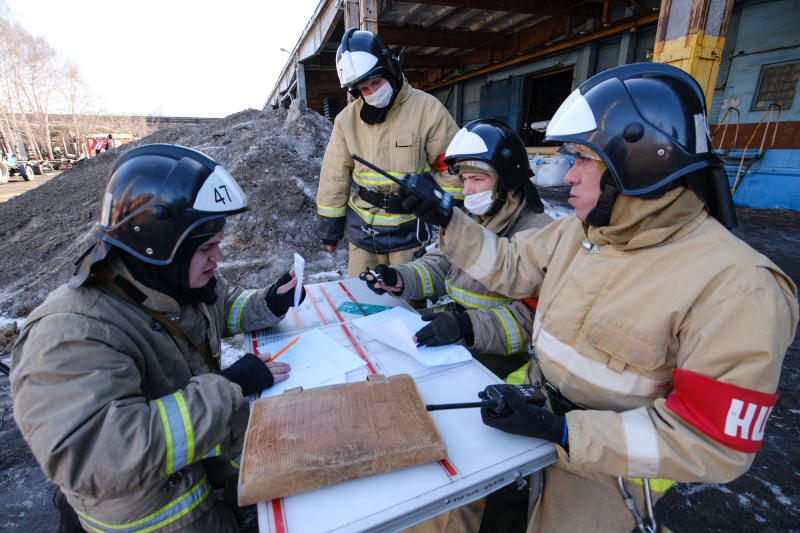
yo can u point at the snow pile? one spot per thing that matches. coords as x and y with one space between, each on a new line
275 156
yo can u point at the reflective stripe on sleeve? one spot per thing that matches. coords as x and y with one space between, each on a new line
332 212
472 300
593 371
642 443
214 453
178 431
513 334
161 518
236 462
424 278
235 312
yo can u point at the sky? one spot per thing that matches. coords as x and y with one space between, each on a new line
197 58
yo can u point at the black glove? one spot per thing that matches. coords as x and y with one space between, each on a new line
422 196
445 328
388 275
279 304
250 373
527 419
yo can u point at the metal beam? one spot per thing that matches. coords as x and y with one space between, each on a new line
538 7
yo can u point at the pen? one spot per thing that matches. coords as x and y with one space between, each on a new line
271 359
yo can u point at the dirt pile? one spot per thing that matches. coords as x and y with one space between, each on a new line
275 156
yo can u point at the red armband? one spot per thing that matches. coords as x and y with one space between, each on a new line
440 165
731 415
530 303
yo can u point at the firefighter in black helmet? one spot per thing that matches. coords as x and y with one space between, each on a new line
659 335
116 376
493 164
398 129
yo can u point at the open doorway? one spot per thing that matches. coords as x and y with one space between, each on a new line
541 97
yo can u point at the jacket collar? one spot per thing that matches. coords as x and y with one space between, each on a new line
638 223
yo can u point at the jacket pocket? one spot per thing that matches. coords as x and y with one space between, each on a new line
628 347
405 153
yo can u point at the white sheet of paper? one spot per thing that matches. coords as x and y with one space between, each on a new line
299 266
397 326
316 360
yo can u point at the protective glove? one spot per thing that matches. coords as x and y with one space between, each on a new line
445 328
426 199
279 304
389 275
527 419
250 373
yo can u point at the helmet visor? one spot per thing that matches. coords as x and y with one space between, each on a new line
352 66
579 150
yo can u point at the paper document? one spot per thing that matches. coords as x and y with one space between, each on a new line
396 328
299 266
316 360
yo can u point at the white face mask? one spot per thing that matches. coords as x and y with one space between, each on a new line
381 97
478 203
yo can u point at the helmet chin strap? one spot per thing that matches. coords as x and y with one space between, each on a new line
601 214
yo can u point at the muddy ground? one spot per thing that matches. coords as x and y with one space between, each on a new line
276 157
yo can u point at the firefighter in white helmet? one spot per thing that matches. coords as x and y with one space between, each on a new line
116 376
660 335
493 164
393 126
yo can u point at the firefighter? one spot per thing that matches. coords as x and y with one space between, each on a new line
493 165
115 377
393 126
660 335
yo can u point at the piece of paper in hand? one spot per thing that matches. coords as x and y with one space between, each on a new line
396 328
299 265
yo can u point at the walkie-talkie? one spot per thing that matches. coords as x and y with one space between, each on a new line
492 398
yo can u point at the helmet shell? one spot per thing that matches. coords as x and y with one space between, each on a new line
493 142
157 194
363 55
647 121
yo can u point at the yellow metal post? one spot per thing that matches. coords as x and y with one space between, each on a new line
691 36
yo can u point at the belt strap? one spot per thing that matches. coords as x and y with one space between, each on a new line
171 326
388 202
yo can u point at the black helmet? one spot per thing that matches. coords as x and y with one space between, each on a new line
493 142
647 121
157 194
363 55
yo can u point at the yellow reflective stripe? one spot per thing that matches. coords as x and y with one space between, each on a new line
236 310
517 377
513 334
178 431
658 485
334 212
213 453
475 301
424 278
380 220
235 462
167 434
373 179
161 518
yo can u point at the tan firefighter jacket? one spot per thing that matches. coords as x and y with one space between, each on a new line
121 414
623 308
501 325
417 130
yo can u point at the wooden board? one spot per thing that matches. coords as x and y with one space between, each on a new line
309 439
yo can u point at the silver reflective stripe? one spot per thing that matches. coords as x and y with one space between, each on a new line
513 334
235 316
475 301
178 431
592 371
642 443
424 278
161 518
